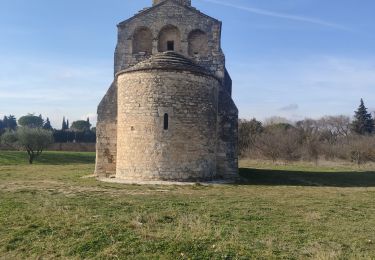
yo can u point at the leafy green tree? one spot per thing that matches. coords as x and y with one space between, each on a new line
47 125
81 126
363 122
31 121
32 140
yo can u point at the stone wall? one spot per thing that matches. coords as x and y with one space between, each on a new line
187 150
227 145
106 134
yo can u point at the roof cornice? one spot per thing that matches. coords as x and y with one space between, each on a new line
147 10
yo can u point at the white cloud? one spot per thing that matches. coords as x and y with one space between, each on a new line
297 18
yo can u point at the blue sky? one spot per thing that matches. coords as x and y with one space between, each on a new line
289 58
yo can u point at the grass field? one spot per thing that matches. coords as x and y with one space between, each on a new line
50 210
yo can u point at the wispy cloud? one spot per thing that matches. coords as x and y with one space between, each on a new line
320 85
54 88
292 17
291 107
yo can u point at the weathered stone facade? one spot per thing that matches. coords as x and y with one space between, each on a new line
169 114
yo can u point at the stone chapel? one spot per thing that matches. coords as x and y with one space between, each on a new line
169 113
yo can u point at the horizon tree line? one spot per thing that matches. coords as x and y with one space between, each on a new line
78 131
363 123
330 137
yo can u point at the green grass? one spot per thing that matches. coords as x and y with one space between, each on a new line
48 210
47 158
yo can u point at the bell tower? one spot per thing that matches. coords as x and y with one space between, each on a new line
183 2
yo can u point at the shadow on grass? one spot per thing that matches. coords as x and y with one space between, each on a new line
298 178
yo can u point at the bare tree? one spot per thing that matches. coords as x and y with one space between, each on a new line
275 120
338 126
362 149
248 132
279 143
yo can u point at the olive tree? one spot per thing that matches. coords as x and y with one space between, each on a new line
31 140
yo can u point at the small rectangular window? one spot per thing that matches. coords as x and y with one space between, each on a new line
166 121
170 45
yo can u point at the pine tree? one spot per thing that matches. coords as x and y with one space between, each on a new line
5 122
10 122
363 122
64 125
47 125
1 127
40 116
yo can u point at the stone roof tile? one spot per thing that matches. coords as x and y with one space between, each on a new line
169 60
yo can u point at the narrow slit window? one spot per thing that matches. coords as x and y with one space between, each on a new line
166 121
170 45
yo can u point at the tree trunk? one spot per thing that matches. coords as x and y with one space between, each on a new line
31 156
